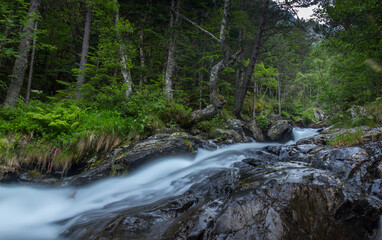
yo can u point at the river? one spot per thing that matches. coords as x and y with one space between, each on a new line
28 212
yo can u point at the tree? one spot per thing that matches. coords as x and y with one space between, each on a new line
21 62
125 70
243 86
84 51
29 85
217 101
171 52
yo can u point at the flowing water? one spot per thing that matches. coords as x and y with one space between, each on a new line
43 213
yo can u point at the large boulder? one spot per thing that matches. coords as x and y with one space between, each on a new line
282 131
162 145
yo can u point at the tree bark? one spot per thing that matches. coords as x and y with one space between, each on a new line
123 52
279 87
217 101
21 62
168 91
30 75
143 79
243 86
84 52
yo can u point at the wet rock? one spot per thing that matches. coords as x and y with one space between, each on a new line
229 135
254 131
8 174
282 131
157 147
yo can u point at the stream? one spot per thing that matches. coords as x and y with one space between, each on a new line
44 213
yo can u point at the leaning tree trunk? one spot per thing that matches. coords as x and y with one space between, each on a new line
21 62
243 86
29 86
168 91
84 52
217 101
123 52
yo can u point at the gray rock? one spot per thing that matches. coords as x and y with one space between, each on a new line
282 131
319 115
254 131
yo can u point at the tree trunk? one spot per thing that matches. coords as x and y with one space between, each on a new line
123 52
29 86
279 87
254 99
240 69
217 101
243 86
143 79
84 52
21 62
168 91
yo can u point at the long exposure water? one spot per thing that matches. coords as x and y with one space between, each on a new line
34 213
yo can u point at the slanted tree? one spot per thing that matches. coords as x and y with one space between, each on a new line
21 62
241 91
217 101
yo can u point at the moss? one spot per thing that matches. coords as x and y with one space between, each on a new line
189 145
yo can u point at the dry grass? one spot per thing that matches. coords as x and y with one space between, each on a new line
22 152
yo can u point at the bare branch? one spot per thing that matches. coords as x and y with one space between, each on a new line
196 25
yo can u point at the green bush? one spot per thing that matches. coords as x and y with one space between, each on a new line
308 116
285 114
262 122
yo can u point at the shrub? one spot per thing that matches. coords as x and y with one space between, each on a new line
262 122
308 116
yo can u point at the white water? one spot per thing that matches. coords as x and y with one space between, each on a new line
32 213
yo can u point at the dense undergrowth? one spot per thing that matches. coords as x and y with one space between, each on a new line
52 136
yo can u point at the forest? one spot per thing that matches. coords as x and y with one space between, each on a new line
81 77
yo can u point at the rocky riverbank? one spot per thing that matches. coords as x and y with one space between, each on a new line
307 190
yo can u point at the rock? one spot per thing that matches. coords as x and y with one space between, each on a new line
8 174
319 114
235 124
229 135
156 147
274 118
358 112
260 198
281 131
254 131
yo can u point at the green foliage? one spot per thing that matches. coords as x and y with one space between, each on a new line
285 114
210 125
347 138
262 122
375 108
308 116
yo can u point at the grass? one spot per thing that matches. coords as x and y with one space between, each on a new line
346 139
